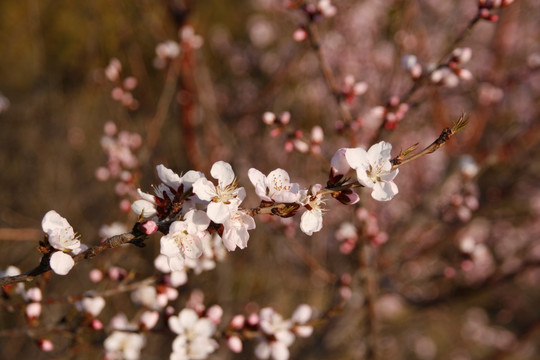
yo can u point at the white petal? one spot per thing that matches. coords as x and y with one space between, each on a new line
280 351
363 178
192 246
339 162
177 263
384 191
357 158
218 212
188 318
204 327
190 178
61 263
145 196
53 221
263 351
311 221
380 150
168 177
169 247
197 220
258 179
204 189
144 207
302 314
389 176
175 325
223 172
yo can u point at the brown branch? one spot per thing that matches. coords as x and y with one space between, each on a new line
134 237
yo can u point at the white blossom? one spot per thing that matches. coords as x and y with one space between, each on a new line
223 197
61 237
194 340
235 233
184 239
276 186
312 219
374 169
91 305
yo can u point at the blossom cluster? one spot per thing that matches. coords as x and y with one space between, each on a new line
198 210
275 334
122 162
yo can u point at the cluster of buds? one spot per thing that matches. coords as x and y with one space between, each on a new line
391 114
122 90
348 234
485 7
449 74
411 64
165 52
352 88
169 50
295 139
313 12
275 334
122 161
465 201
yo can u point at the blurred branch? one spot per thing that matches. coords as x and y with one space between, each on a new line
10 234
465 291
315 41
369 289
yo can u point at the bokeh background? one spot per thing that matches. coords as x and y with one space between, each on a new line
458 277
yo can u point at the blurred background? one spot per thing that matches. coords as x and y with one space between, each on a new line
454 258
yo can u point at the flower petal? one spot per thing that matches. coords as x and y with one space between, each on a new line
357 158
204 189
223 172
384 191
61 263
218 212
258 179
168 177
311 221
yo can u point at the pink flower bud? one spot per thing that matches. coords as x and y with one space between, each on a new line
253 319
130 83
285 118
125 206
33 310
317 134
269 118
95 275
235 344
117 273
238 321
149 319
109 128
300 35
214 313
117 93
45 345
34 294
301 145
96 325
102 174
149 227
